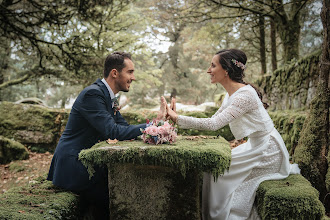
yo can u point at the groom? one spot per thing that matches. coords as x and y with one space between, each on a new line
94 117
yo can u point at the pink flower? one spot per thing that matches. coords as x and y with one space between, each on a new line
158 133
162 130
152 130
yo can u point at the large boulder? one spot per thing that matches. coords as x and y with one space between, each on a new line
35 126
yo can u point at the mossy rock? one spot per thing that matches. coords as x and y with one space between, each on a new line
292 86
35 126
142 192
289 124
290 198
39 200
211 154
11 150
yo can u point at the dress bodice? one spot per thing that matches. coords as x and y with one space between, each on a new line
243 111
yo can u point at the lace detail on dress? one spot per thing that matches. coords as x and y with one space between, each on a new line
242 102
270 164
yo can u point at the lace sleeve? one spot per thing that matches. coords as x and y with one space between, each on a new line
242 103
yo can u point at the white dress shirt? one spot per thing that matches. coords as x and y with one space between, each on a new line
112 95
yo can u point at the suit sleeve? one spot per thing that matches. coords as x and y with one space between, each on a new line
120 119
93 108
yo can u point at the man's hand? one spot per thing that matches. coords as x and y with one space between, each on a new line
162 111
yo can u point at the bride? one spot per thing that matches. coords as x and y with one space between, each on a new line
263 157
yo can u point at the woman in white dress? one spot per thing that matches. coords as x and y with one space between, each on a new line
263 157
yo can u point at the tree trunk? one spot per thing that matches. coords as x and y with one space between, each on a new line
312 152
262 44
288 27
325 82
273 44
289 31
5 52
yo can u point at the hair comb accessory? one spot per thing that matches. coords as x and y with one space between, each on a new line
238 64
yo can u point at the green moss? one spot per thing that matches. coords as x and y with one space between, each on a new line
290 198
327 180
16 167
138 117
36 126
11 150
287 87
152 192
312 149
289 124
208 155
40 200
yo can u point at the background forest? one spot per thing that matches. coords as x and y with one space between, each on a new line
53 49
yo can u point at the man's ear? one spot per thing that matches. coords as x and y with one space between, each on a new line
114 73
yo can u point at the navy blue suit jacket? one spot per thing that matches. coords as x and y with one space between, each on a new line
91 120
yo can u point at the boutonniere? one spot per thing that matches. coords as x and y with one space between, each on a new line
116 106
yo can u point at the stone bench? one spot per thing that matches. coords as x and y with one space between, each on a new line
158 181
290 198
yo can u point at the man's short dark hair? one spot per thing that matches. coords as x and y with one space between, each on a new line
115 61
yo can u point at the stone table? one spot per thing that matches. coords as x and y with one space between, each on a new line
158 181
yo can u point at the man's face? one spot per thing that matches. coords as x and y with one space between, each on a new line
126 76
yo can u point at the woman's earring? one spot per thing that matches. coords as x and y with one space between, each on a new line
226 74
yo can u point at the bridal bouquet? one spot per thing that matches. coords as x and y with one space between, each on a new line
159 132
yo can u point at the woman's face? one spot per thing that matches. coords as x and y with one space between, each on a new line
216 71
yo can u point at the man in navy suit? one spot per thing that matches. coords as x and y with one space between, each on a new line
92 119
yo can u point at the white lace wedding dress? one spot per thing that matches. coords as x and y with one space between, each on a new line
263 157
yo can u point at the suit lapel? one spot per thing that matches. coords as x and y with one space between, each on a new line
106 94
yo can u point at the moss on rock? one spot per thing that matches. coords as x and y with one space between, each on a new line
39 200
327 181
292 86
312 149
289 124
152 192
35 126
208 155
11 150
290 198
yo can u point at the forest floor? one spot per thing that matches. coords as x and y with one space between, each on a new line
23 172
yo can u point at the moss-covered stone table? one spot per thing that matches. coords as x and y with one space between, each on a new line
158 181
